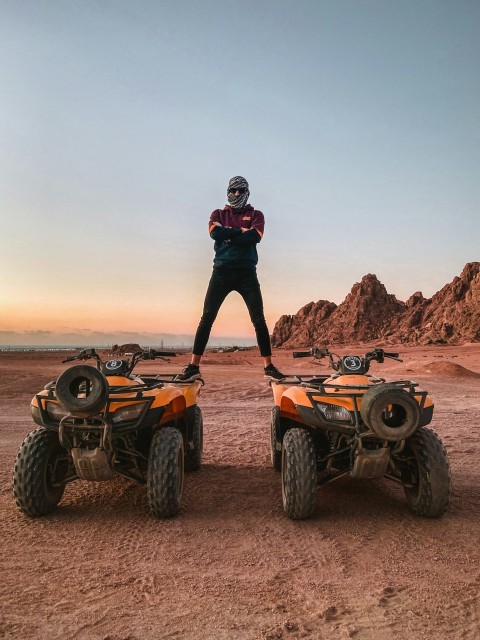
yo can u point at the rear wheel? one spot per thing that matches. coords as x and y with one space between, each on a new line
299 474
165 472
40 467
193 457
426 468
275 451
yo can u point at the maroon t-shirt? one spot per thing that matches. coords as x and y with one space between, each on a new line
234 248
248 218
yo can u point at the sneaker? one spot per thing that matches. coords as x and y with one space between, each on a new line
191 372
273 373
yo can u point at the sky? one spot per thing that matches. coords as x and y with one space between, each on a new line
356 123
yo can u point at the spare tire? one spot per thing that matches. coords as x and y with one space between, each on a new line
82 390
390 412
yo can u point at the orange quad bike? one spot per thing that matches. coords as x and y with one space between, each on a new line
96 423
351 423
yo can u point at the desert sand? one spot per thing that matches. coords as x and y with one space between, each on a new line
231 565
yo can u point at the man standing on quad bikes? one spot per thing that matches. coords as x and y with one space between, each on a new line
236 229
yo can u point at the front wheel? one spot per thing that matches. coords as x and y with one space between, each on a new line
165 472
299 474
40 468
426 468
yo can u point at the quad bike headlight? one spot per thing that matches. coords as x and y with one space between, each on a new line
55 411
127 414
334 413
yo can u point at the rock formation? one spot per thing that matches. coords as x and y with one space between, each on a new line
303 327
451 316
369 313
131 347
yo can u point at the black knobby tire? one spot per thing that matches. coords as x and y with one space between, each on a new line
193 457
165 471
275 455
73 383
429 470
390 412
299 474
36 480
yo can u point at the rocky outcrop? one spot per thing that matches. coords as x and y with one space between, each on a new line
451 316
369 313
302 328
131 347
365 313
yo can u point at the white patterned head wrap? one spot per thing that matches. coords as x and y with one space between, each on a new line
238 202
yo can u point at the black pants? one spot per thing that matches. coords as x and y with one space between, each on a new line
222 282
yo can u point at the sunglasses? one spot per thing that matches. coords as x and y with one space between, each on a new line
241 190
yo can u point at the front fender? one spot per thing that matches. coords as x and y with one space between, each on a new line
291 399
190 392
174 402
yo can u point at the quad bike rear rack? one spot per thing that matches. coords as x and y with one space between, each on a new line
300 379
152 381
318 381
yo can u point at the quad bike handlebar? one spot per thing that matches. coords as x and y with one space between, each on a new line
316 353
339 363
85 354
151 354
379 355
145 354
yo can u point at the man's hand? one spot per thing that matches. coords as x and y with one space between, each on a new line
217 224
244 229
